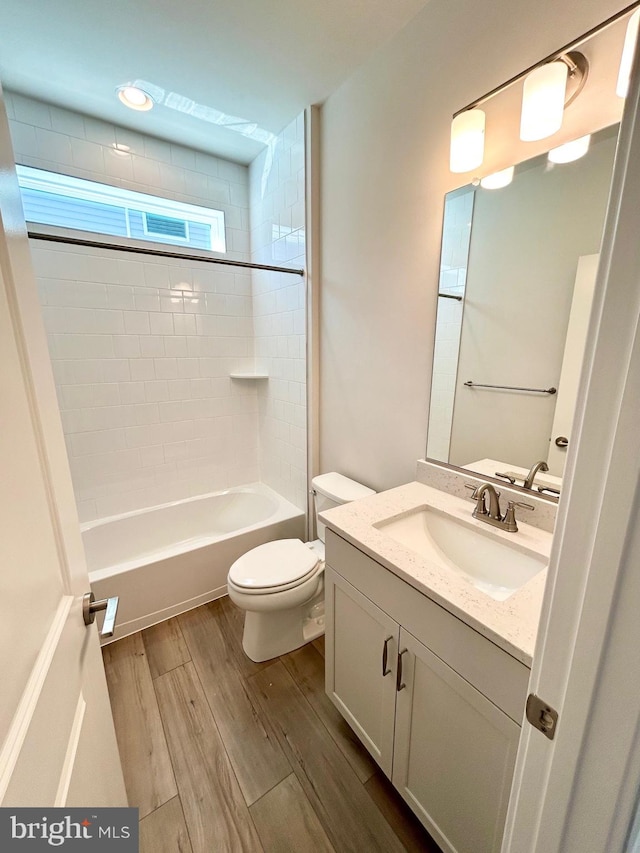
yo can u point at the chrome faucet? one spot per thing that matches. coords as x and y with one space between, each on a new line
493 515
537 466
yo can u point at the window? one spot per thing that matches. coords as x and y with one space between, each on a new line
52 199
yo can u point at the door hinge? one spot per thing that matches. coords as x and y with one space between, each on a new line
542 716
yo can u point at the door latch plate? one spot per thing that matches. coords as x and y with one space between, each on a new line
542 716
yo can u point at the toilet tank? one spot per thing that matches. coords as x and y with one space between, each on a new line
332 490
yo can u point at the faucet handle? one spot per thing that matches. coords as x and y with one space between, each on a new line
550 489
513 504
510 515
474 491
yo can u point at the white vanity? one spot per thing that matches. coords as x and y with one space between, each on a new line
428 663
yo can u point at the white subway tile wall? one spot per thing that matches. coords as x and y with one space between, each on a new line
142 347
277 205
149 412
456 236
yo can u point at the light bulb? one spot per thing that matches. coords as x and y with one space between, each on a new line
626 61
134 98
467 141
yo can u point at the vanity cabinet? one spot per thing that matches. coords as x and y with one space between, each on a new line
439 711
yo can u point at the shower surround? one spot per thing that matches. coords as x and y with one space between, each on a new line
142 347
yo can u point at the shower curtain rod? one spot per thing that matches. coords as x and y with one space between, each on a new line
164 253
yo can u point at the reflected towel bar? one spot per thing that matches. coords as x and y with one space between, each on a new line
471 384
450 296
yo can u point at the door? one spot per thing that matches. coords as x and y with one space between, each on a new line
454 753
572 362
57 739
360 677
579 791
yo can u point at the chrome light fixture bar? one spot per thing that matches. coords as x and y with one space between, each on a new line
550 85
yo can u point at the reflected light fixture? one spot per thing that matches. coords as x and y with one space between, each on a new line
570 151
135 98
543 97
467 140
628 50
498 179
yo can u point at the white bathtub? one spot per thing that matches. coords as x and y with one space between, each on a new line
167 559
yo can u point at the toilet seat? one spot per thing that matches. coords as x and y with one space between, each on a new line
273 567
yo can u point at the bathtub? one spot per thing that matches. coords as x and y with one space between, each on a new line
167 559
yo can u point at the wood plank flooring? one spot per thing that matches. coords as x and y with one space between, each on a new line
222 754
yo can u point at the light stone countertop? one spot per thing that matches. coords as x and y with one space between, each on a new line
511 624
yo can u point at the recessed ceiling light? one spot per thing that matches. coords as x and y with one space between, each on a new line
135 98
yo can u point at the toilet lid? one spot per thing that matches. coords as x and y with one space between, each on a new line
274 564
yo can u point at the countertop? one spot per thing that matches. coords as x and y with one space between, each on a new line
511 624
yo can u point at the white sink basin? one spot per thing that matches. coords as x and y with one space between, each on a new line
484 559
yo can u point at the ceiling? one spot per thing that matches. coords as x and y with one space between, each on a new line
252 65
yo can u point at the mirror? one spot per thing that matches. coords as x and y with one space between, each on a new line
516 281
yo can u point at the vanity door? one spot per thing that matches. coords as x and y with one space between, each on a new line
361 647
454 753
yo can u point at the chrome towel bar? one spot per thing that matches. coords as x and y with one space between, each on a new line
471 384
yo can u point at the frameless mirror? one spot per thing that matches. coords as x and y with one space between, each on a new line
517 273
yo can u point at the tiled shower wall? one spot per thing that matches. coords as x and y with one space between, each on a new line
142 347
277 193
456 236
141 352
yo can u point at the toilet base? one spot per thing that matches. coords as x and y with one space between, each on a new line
269 634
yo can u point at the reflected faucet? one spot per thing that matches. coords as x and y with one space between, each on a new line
537 466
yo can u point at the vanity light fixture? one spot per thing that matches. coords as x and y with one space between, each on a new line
135 98
570 151
498 179
467 140
628 50
549 86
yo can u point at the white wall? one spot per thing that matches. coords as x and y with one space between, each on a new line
277 187
385 141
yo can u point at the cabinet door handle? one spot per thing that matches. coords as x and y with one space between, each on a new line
385 653
400 685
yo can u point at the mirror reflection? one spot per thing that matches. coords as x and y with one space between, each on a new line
517 273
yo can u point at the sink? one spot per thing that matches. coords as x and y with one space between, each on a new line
492 564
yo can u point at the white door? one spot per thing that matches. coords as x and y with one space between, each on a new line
572 362
57 739
579 791
361 647
454 753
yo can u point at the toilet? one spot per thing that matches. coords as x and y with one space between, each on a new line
280 585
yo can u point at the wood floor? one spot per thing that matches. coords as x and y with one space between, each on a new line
222 754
